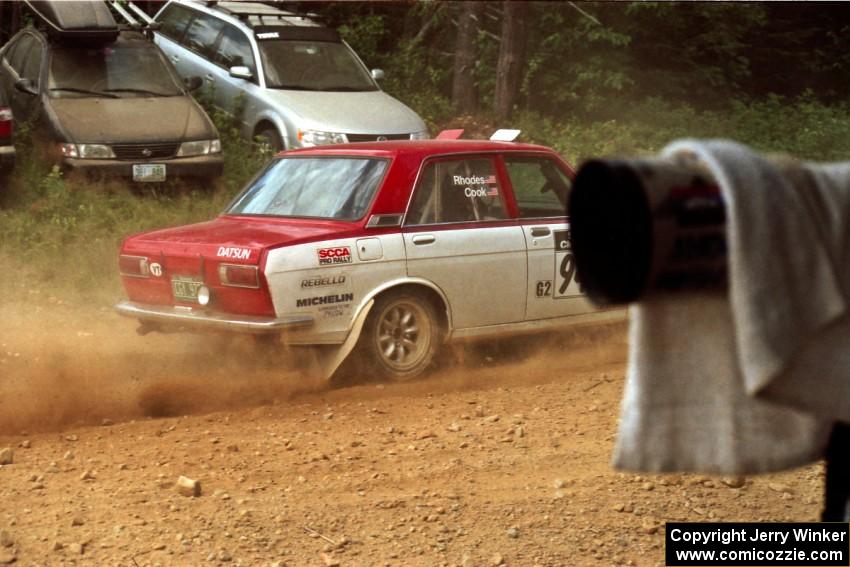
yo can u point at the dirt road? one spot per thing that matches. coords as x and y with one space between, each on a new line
498 459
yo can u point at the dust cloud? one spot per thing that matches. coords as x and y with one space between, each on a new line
66 366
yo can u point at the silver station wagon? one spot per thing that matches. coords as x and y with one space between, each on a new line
300 84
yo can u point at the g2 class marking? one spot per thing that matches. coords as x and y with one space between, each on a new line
324 300
235 253
322 281
544 288
338 255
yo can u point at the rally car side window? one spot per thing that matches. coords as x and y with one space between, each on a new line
457 190
539 186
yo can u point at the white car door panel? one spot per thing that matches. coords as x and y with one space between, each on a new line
553 289
481 270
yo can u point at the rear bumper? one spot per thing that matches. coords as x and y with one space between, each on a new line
199 166
196 319
7 157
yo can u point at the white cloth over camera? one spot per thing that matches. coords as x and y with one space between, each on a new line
752 380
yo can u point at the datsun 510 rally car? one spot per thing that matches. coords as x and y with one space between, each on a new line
388 249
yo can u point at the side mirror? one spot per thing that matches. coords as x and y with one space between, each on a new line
193 83
26 86
241 72
378 74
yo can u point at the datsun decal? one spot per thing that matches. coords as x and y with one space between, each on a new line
234 253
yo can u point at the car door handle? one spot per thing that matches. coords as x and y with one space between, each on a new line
210 77
538 231
422 239
175 58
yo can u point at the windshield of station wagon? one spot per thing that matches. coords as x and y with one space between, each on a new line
326 187
110 71
313 66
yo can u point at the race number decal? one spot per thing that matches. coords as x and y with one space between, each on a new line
565 266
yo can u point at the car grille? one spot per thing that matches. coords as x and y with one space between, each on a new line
145 151
374 137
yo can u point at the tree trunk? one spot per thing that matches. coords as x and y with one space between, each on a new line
464 91
511 57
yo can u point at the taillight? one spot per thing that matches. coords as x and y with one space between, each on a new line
239 276
5 122
134 266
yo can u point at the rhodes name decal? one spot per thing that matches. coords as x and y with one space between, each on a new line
338 255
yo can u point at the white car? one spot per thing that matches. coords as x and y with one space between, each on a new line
389 249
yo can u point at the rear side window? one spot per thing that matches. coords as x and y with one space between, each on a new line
32 63
17 54
234 50
460 190
540 187
174 20
202 33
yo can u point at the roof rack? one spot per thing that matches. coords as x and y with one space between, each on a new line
138 20
279 13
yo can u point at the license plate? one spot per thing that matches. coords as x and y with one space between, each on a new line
185 288
149 172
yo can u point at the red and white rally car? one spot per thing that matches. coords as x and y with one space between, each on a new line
392 248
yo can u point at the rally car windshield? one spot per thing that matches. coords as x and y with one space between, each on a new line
339 188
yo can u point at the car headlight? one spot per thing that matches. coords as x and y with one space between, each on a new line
199 148
423 135
87 151
95 151
318 138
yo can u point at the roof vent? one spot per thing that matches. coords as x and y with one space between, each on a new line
505 135
450 134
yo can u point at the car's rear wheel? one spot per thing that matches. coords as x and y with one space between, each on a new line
268 141
401 336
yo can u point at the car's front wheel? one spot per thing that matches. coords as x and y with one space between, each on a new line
268 141
401 336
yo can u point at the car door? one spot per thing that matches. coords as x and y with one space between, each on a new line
22 60
540 188
191 51
173 21
233 49
458 235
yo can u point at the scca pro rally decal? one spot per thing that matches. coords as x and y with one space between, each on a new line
324 300
234 253
338 255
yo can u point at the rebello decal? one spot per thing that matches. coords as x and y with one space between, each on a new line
235 253
324 300
338 255
319 281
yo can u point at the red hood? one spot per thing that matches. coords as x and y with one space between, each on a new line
222 237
